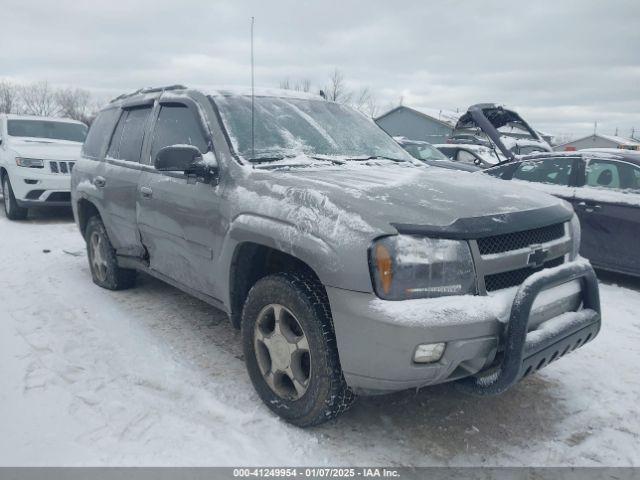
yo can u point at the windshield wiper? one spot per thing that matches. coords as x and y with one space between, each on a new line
375 157
275 158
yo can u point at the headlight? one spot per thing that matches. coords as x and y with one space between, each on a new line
576 234
405 267
29 162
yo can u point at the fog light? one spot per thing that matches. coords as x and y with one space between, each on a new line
428 352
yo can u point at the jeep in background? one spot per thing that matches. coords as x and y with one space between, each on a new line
37 155
349 267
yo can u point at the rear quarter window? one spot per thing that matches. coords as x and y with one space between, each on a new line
99 133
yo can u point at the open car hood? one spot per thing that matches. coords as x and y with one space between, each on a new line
489 118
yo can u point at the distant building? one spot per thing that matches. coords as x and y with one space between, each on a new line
599 140
429 125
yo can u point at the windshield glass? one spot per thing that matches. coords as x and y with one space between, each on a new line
288 127
425 152
74 132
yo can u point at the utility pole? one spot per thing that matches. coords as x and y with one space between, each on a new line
253 146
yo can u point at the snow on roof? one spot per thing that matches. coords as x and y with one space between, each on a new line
447 117
619 140
259 92
612 138
13 116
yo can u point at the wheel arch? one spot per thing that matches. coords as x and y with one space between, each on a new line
252 261
86 209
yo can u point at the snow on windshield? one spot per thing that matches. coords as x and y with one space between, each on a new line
288 127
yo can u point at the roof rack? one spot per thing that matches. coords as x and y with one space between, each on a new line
148 90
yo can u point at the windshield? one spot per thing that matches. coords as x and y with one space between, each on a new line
425 152
288 127
74 132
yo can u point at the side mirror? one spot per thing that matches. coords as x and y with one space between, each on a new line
178 158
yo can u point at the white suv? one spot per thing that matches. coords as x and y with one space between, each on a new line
37 155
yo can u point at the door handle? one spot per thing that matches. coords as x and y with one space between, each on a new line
99 182
146 192
589 207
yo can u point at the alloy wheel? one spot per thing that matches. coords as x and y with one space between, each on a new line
6 196
98 260
282 351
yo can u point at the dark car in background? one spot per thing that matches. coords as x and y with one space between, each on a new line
429 154
604 188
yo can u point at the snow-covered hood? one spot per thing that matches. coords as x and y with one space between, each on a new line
373 198
46 149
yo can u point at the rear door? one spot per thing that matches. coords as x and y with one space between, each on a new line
118 179
608 204
179 216
553 175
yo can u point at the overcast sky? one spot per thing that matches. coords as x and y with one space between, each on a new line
563 63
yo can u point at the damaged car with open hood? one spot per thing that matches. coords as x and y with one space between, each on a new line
350 267
499 128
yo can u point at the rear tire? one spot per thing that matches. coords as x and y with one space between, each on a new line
294 366
102 259
11 208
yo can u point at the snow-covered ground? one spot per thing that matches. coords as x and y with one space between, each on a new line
151 376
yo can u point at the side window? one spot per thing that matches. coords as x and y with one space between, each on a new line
126 143
606 174
635 176
497 171
114 146
612 174
556 171
465 157
177 125
448 152
99 132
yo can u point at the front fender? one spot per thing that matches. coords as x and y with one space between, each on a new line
343 268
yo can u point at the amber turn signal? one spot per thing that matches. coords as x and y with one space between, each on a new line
385 268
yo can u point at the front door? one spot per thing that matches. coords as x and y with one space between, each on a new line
608 206
179 217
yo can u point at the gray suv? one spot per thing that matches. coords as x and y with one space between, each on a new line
349 267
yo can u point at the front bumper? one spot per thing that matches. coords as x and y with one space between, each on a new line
35 187
377 339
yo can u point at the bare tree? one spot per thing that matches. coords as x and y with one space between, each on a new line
337 91
285 84
303 85
74 103
39 99
9 97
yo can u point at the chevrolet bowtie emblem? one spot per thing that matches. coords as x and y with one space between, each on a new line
537 257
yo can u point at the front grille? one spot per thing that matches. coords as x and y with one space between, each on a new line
513 241
59 197
498 281
61 167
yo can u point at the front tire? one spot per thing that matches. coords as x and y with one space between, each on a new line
102 259
290 350
11 207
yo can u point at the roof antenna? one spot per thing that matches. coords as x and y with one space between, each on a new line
253 147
